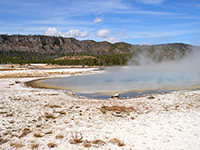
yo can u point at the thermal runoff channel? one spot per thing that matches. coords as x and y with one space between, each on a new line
148 76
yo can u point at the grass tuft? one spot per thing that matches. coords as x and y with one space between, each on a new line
116 141
34 146
52 106
87 144
76 138
51 145
59 136
37 135
3 140
49 116
25 132
104 109
16 145
100 142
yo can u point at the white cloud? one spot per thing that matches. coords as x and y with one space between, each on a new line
153 2
112 40
145 43
198 5
98 20
70 33
53 32
76 33
103 33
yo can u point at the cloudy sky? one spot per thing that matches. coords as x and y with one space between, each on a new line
132 21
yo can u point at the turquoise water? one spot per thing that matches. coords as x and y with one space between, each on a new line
127 81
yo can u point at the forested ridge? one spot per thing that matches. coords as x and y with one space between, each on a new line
23 49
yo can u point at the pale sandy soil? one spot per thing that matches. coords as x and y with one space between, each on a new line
33 118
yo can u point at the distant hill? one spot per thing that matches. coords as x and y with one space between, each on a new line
38 48
51 44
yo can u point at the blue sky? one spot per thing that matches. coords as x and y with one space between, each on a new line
131 21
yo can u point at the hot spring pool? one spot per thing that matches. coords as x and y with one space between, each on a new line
127 81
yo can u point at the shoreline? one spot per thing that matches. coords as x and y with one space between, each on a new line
123 94
33 118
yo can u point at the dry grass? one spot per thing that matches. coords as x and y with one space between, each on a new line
34 146
151 97
25 132
99 142
15 98
75 57
61 112
95 143
87 144
52 106
49 116
37 74
54 94
76 138
17 82
16 145
116 141
104 109
132 117
51 145
6 132
48 132
166 107
59 136
3 140
9 115
3 112
37 135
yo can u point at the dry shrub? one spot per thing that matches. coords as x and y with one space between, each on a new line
104 109
116 141
59 136
76 138
51 145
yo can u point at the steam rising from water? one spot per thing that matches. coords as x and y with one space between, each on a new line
171 75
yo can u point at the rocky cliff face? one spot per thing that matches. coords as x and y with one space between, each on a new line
58 45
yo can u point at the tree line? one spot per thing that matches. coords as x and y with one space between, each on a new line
24 57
